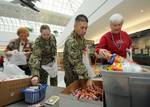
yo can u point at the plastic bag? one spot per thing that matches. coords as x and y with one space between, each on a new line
129 54
17 58
12 69
131 67
118 63
87 64
51 69
3 76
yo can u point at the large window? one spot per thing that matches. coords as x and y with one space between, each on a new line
68 7
12 24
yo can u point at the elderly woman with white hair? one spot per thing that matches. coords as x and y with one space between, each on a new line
116 40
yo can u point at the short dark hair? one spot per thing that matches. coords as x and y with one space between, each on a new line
82 18
44 27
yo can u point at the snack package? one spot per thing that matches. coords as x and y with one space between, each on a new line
118 63
115 67
88 94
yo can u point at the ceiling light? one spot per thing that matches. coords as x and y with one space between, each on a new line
141 11
9 0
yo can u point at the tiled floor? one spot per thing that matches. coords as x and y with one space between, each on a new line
60 79
61 82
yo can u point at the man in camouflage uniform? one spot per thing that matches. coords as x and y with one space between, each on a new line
73 51
44 52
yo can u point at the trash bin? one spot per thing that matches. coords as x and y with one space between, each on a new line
140 91
118 89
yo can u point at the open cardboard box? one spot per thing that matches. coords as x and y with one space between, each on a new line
10 91
68 100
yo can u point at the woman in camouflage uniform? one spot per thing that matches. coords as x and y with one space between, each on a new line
44 52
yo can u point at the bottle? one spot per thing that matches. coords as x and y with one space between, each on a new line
115 58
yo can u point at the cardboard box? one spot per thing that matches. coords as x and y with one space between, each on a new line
10 91
67 100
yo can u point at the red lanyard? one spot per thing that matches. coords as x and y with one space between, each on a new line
119 44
